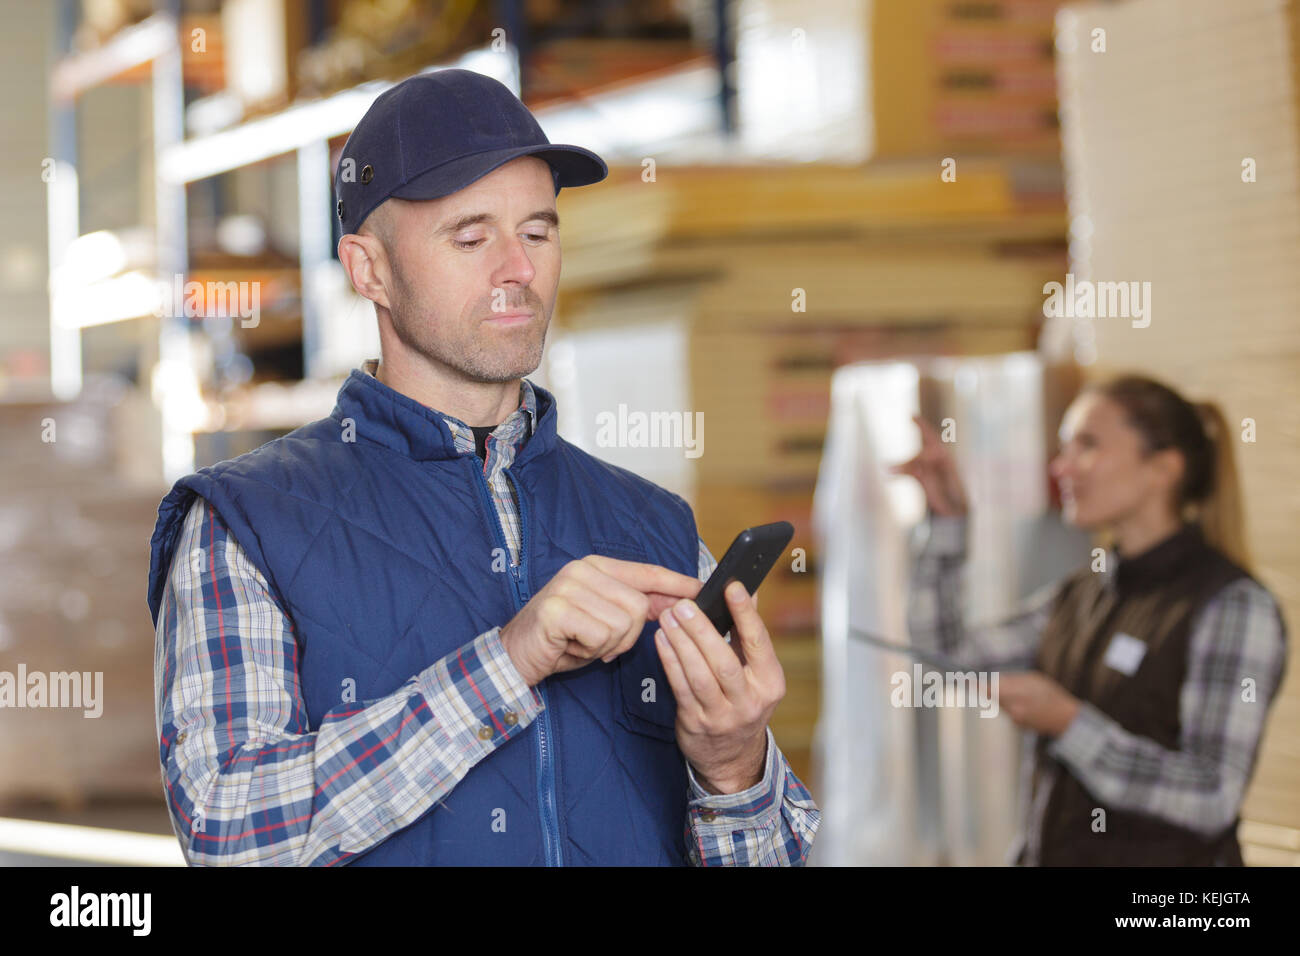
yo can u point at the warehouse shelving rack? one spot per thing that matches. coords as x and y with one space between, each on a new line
305 130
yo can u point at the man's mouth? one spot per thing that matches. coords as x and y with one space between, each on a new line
509 318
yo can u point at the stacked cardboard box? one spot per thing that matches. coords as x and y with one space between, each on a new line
708 222
74 557
858 80
1182 145
952 77
769 391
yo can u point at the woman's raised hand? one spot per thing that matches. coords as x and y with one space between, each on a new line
936 469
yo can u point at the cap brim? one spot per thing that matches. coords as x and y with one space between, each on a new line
571 165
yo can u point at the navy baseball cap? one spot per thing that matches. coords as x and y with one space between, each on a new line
435 133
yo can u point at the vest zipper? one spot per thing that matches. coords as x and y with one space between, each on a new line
518 585
546 801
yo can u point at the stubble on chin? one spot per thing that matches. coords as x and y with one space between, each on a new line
477 353
506 365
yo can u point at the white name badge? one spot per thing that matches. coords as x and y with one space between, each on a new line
1125 653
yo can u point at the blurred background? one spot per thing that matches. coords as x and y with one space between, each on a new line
820 218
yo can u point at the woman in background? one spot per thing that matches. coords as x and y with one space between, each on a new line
1146 676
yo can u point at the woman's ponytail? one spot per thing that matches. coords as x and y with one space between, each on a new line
1220 511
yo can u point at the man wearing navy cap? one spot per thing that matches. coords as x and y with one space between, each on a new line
427 630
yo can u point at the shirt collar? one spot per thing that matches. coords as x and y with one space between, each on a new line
517 428
1161 562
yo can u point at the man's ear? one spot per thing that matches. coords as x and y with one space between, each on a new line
366 262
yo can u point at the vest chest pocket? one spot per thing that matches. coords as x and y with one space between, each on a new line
644 700
648 703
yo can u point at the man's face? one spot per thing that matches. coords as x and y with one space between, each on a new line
474 274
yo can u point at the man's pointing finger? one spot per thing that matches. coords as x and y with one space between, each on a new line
647 578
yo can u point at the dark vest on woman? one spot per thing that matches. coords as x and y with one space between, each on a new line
1155 598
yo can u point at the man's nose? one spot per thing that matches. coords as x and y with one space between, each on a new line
516 266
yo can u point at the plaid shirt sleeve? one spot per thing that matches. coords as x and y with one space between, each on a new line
245 781
934 607
770 824
1238 636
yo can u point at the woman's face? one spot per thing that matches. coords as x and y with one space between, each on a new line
1104 476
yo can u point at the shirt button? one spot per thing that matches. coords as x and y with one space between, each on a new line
485 733
708 816
180 738
511 718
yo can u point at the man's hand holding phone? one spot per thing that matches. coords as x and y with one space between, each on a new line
725 692
593 609
596 608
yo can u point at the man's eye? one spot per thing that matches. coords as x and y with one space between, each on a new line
466 244
538 236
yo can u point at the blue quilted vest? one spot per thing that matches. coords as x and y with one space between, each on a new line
377 538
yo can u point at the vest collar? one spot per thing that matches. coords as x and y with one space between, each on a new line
384 416
1161 562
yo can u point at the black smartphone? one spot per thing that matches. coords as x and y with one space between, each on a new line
748 560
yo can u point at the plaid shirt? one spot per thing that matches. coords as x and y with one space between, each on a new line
1199 786
248 783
